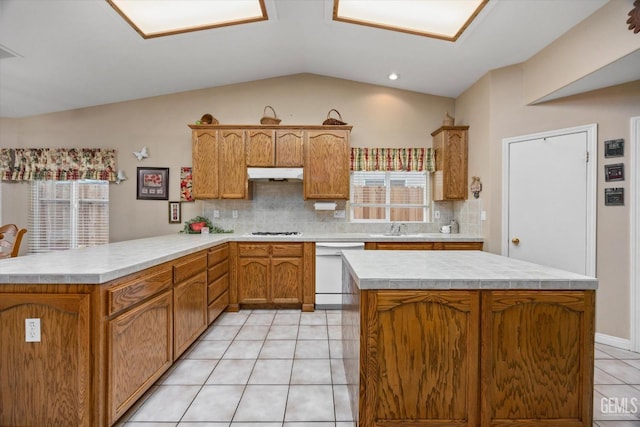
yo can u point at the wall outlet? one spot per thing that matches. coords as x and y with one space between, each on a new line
436 214
32 330
339 213
216 213
483 215
234 213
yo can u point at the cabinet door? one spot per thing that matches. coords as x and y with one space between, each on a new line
286 280
420 358
233 166
140 350
326 165
253 276
450 178
260 147
46 383
289 148
205 158
189 312
537 358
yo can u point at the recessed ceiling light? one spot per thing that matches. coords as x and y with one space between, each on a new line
393 76
441 19
157 18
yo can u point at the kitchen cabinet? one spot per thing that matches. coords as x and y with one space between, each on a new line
424 246
274 148
189 301
47 382
217 281
450 151
272 274
219 164
326 164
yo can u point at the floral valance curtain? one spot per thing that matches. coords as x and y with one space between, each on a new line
392 159
63 164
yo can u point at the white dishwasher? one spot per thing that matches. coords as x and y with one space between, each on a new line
329 272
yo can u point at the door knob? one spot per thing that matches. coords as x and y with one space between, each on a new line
515 241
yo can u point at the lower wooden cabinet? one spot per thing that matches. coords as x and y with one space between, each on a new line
424 246
189 301
217 281
272 274
46 383
140 350
471 357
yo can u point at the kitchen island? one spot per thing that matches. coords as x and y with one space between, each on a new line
466 338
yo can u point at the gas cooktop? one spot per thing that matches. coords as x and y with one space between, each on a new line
275 233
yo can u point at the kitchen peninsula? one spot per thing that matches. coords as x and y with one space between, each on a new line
114 318
466 338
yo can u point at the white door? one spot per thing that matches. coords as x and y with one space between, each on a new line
549 199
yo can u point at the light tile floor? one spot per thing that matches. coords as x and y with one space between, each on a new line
283 368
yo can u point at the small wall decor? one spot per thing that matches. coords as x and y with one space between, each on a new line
175 213
153 184
634 17
186 182
476 186
614 172
614 148
614 196
121 176
142 154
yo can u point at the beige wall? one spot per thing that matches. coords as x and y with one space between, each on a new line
381 117
501 92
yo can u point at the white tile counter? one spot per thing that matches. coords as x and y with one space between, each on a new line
100 264
455 270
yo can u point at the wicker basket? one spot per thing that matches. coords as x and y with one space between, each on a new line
269 120
331 121
208 119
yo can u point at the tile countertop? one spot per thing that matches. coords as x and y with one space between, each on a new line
456 270
100 264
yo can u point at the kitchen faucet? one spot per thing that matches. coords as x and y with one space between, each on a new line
396 228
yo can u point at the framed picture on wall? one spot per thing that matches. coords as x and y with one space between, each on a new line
153 183
614 148
614 172
175 213
614 196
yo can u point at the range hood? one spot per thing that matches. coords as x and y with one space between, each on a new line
275 174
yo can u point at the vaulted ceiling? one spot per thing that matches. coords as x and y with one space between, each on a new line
71 54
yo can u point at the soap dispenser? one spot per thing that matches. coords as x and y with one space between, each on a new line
455 228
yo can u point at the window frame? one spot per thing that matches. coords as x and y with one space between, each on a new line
388 205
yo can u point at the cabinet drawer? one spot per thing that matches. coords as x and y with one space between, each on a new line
254 249
217 288
218 306
218 254
130 293
287 249
405 246
189 266
218 270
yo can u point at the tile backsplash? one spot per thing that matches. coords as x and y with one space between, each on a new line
279 206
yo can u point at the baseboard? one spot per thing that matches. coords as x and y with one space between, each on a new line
617 342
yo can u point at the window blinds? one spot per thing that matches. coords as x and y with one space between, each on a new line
68 214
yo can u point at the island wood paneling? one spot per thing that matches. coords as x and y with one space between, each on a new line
537 358
420 363
45 383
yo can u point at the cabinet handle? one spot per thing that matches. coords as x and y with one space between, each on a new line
515 241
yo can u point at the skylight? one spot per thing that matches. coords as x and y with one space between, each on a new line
157 18
441 19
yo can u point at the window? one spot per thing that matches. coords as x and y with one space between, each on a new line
68 214
389 197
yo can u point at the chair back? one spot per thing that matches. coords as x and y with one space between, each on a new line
10 240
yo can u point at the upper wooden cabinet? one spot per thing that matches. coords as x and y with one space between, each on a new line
450 177
222 153
219 164
279 148
326 165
